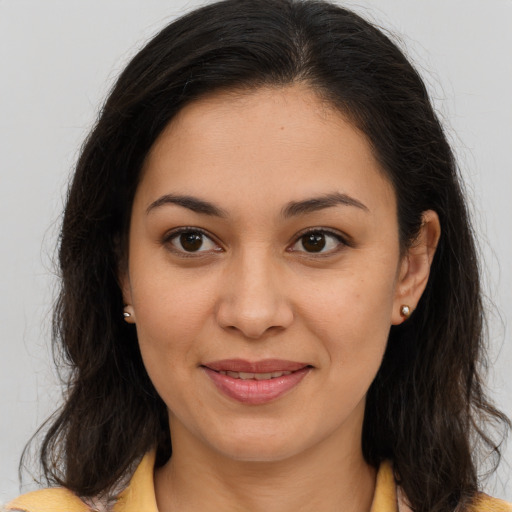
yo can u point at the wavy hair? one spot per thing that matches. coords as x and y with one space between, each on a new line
426 409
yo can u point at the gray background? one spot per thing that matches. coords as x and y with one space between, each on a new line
57 61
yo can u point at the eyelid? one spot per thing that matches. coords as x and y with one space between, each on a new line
173 233
343 239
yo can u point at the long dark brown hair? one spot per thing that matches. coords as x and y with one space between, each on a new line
426 409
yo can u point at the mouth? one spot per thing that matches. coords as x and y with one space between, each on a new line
255 383
254 376
256 367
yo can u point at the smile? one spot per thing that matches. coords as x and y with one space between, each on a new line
256 376
255 383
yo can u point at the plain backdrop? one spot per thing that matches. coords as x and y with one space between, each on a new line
58 59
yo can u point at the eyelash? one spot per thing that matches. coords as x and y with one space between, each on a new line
174 234
327 233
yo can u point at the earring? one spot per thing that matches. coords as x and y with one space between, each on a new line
405 311
128 314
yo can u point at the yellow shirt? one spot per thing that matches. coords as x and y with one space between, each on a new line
139 496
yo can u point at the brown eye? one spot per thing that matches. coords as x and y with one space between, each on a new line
318 241
313 242
192 241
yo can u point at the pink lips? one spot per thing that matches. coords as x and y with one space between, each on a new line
260 390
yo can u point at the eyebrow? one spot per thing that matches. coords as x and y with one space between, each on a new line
189 202
292 209
315 204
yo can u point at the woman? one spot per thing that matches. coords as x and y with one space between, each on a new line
263 301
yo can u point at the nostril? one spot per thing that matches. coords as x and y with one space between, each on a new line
254 318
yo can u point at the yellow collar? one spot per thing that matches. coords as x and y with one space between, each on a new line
139 496
140 493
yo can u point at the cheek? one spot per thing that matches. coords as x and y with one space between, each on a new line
354 336
351 298
171 312
351 314
169 302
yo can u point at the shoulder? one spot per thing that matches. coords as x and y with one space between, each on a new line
135 493
56 499
485 503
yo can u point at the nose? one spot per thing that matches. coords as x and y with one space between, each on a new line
253 300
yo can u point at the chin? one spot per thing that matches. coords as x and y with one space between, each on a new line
260 445
258 452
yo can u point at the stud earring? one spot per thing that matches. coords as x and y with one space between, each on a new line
128 314
405 311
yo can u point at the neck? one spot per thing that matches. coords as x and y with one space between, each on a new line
331 477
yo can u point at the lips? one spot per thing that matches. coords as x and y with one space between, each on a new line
256 376
255 382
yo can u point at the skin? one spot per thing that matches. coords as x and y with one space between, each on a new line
254 292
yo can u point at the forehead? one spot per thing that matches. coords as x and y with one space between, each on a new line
279 142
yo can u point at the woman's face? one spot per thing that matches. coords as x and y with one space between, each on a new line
264 273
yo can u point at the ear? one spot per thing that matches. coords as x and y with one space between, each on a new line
126 290
415 266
